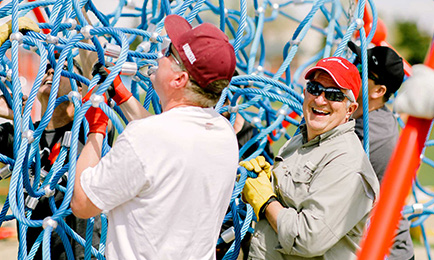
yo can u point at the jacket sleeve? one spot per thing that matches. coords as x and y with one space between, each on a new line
335 204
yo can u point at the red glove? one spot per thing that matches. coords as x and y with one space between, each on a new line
96 118
121 93
116 90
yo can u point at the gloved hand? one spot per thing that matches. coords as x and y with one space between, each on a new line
416 97
257 165
96 118
25 24
257 191
116 90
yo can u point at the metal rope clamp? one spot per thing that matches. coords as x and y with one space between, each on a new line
112 50
31 202
49 222
96 100
228 235
75 94
73 23
418 208
48 191
5 172
28 134
66 139
17 37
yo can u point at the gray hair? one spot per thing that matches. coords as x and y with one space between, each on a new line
198 95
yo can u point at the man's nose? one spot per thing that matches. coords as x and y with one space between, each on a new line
321 99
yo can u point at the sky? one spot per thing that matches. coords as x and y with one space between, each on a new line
419 11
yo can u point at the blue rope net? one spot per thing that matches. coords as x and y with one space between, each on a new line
268 98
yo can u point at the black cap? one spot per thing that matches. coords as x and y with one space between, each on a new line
385 63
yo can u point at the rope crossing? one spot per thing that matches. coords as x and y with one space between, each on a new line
269 97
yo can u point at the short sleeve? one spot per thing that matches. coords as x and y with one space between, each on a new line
117 178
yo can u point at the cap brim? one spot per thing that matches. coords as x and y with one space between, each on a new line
175 26
356 49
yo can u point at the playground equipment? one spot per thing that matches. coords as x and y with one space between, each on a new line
269 97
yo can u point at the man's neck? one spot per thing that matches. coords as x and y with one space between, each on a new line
374 104
62 115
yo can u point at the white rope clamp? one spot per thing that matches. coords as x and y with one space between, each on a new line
228 235
294 42
52 39
282 112
49 222
259 11
9 75
31 202
112 50
28 134
96 100
66 139
145 45
75 94
86 31
359 23
73 23
16 37
233 109
154 37
5 172
276 6
418 208
48 192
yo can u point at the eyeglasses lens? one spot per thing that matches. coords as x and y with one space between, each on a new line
331 94
168 51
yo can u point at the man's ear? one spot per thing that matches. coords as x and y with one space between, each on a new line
181 79
378 91
351 109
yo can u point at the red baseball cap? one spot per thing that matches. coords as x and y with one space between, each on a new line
343 72
205 50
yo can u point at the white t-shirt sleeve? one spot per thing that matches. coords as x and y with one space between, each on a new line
118 177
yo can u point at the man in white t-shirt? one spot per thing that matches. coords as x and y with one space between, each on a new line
167 182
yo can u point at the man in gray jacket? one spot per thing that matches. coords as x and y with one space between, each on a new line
323 186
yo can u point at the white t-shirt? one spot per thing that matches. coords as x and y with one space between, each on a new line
167 184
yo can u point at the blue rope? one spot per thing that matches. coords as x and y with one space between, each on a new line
263 96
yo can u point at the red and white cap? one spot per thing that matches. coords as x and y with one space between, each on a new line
205 50
343 72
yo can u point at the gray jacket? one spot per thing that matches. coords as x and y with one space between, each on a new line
327 188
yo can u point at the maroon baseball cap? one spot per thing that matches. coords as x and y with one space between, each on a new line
343 72
205 50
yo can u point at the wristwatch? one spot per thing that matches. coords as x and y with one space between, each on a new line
264 207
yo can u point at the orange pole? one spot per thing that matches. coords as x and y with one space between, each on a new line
39 17
396 184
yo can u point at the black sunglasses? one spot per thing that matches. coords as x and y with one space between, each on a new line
331 94
65 67
169 52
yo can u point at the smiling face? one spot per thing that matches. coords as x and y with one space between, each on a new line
322 115
47 81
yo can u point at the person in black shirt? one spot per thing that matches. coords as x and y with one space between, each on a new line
50 144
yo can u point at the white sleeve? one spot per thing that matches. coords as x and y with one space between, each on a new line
118 177
416 96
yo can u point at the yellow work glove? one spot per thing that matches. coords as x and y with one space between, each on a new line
24 24
257 191
257 165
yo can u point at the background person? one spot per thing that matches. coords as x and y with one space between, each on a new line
50 145
323 184
385 75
